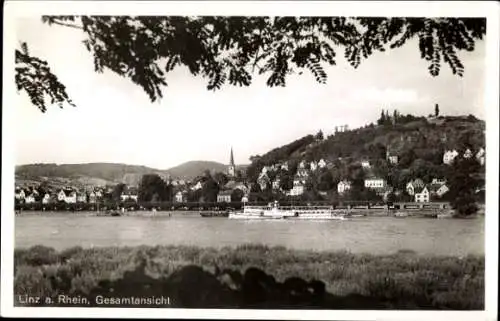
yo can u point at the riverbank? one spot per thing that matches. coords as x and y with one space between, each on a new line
251 276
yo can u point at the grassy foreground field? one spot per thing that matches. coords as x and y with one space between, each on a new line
250 276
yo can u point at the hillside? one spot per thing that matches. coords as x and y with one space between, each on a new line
415 140
108 173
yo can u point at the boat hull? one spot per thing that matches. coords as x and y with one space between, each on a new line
312 217
214 214
244 216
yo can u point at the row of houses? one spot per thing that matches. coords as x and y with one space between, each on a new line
450 155
415 188
68 195
224 194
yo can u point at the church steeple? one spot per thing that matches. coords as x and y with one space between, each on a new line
231 168
231 159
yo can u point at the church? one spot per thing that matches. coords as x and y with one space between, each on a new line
231 168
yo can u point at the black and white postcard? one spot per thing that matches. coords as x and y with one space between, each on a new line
267 159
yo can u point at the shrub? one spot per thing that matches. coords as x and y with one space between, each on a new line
402 280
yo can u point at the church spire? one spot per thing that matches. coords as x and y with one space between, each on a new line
231 158
231 168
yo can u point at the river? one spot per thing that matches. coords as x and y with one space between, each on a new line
376 235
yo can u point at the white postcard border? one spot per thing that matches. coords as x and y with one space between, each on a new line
487 9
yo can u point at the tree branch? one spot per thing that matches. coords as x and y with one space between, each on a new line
67 25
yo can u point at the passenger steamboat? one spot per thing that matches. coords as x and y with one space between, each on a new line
274 211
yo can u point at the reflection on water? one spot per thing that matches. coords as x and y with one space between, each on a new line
377 235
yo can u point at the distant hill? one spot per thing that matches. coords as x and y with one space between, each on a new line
104 172
110 173
192 169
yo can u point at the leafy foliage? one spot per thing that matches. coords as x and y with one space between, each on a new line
154 188
231 49
34 76
463 187
118 190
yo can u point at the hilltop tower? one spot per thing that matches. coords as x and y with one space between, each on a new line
231 168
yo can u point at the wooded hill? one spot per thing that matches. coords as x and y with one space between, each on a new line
419 143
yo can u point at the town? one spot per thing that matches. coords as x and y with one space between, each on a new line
234 187
403 158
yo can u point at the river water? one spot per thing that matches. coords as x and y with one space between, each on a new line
376 235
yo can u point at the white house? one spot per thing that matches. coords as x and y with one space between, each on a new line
180 197
20 194
438 181
30 198
313 166
81 198
197 186
393 159
302 172
414 185
422 196
302 164
98 194
129 196
284 166
92 197
321 163
480 156
376 183
467 153
46 198
70 197
441 190
365 164
343 186
263 180
276 184
61 196
224 196
298 187
449 156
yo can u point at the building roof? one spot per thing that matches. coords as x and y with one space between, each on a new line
225 193
419 189
371 178
418 183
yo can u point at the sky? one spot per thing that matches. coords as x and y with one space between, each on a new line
115 121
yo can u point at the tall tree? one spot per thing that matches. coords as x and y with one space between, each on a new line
150 185
436 110
118 191
221 179
237 195
232 49
463 187
210 190
325 181
381 120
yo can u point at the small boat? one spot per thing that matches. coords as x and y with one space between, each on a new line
214 214
448 214
400 214
109 213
